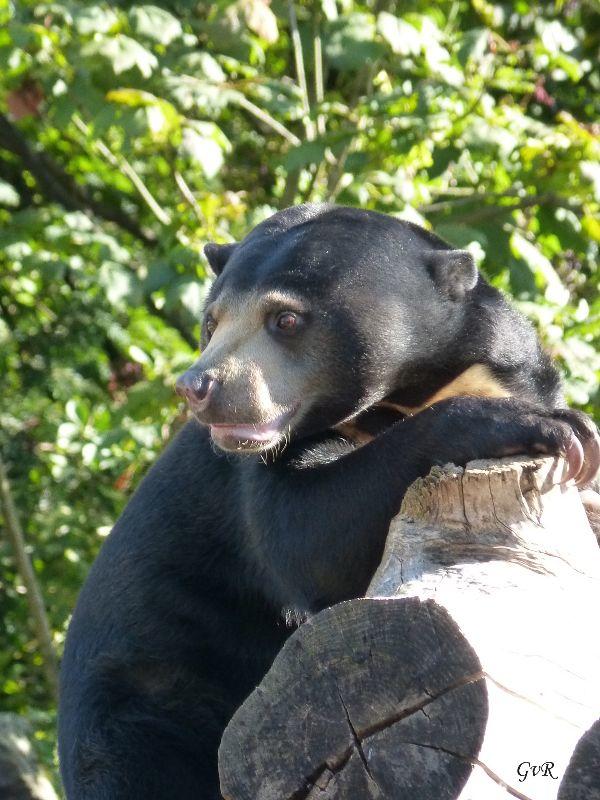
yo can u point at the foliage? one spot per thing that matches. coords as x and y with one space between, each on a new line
130 134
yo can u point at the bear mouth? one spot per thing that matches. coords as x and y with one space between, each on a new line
250 436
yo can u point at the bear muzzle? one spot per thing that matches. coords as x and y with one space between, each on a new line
196 388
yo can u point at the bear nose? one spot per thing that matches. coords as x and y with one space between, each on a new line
197 389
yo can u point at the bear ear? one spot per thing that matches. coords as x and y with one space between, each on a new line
218 255
453 271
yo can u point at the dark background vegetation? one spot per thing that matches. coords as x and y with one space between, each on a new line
131 134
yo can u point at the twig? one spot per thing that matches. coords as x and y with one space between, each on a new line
291 188
33 591
60 187
265 117
489 203
463 195
337 172
300 71
448 205
335 176
120 162
306 194
454 9
319 88
188 195
161 215
491 211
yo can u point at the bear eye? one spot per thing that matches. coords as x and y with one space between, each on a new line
211 327
287 321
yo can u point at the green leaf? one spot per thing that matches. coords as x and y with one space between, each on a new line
350 42
304 154
120 284
122 53
154 23
8 194
329 9
95 19
189 294
569 65
590 171
403 38
261 20
544 273
199 96
200 65
77 411
555 36
591 226
159 116
205 143
473 46
313 152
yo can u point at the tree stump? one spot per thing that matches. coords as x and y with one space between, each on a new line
471 670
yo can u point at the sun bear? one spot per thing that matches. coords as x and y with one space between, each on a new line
344 353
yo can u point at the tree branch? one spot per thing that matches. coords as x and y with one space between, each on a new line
492 211
265 117
120 162
60 187
34 594
300 71
188 195
319 85
336 174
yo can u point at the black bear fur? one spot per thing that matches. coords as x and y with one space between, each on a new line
219 555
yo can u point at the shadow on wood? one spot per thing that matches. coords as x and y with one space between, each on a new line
479 662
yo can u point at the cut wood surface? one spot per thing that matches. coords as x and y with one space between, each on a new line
470 671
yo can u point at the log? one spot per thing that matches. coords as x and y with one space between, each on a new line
21 777
471 669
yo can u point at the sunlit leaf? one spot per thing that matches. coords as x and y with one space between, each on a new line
157 24
8 194
543 271
351 43
95 19
261 20
402 37
122 53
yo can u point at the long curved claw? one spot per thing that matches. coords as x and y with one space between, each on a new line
591 461
588 440
575 459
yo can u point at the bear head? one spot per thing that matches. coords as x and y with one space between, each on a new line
319 313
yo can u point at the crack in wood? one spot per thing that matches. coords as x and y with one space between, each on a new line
476 763
336 763
357 741
461 491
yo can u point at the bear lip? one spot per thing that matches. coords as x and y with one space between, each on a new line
249 434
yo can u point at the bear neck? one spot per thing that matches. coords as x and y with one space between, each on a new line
493 351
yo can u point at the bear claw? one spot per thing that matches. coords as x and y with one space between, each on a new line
591 464
575 459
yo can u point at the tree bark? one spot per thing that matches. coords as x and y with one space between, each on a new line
470 671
